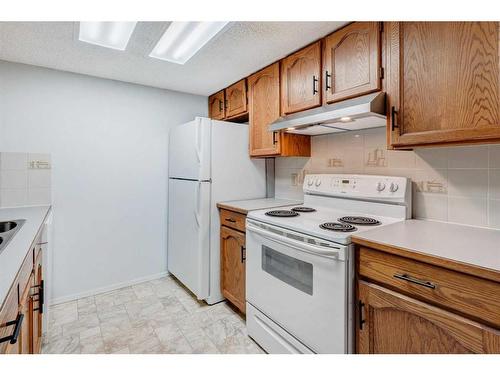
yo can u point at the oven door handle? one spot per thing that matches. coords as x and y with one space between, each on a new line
298 245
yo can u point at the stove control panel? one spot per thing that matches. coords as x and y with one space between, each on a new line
383 188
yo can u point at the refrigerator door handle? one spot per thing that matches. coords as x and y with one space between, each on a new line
198 141
197 212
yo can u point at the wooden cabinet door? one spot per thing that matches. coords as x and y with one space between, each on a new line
394 323
8 314
352 61
264 108
233 266
443 82
25 308
301 80
236 99
37 305
216 106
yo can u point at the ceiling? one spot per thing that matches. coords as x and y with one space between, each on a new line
241 49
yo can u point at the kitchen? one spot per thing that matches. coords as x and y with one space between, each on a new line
169 188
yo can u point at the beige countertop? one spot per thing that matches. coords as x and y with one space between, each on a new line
256 204
12 256
468 249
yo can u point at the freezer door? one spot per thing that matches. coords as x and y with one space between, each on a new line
188 250
189 150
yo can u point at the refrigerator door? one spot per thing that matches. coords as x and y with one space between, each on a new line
189 150
188 234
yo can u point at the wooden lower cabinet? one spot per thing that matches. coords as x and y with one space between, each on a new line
406 305
23 308
394 323
233 254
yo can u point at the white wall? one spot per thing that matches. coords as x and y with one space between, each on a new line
453 184
108 142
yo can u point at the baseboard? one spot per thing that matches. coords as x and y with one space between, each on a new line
108 288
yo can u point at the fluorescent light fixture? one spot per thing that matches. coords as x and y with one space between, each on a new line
107 34
183 40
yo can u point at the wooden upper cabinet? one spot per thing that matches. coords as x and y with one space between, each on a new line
443 82
352 61
264 108
233 255
301 80
216 106
236 99
396 324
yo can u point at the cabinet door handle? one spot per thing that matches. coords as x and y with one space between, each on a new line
315 89
327 85
362 321
230 220
243 254
17 330
275 140
225 104
414 280
394 113
220 106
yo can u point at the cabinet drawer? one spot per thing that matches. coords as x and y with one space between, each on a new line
468 295
233 220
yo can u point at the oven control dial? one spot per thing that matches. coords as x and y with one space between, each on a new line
310 182
318 182
380 186
393 188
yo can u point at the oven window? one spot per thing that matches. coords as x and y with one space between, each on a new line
292 271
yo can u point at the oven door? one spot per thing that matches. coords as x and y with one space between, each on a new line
300 285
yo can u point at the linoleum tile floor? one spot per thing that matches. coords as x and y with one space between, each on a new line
155 317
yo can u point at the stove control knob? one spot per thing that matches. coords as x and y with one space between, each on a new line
380 186
394 187
318 182
310 182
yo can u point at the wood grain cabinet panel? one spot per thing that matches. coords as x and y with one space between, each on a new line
264 108
216 106
394 323
463 294
233 254
300 80
236 99
352 61
233 220
443 82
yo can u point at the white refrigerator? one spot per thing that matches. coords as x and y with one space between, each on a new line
208 163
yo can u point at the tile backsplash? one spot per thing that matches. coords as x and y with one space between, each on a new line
455 184
25 179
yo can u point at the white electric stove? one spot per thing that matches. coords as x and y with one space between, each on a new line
300 260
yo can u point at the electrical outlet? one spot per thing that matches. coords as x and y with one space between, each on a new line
39 164
294 179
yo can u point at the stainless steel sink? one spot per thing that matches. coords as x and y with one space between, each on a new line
6 226
8 230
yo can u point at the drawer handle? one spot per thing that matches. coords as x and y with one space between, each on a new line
414 280
230 220
17 330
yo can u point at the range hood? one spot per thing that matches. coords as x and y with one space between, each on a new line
365 112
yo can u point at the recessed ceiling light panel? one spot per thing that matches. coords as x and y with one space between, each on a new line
107 34
182 40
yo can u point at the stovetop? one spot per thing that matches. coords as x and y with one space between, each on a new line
322 223
343 205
